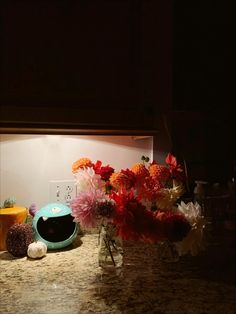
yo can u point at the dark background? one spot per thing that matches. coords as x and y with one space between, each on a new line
204 58
204 87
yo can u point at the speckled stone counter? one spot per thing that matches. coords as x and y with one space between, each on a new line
70 282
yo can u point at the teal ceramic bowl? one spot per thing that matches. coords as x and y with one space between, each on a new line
54 225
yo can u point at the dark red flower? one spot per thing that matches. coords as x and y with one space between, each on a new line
97 165
133 220
105 209
176 226
149 189
171 161
104 171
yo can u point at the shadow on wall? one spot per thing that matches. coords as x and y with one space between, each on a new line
126 140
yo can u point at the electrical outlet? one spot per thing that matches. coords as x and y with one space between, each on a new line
62 191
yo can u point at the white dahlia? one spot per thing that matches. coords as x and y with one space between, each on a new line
86 180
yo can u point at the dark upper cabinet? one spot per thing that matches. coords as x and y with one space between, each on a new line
85 64
204 55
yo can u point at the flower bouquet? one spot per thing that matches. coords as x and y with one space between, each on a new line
139 204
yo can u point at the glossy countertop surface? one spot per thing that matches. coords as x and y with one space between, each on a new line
71 282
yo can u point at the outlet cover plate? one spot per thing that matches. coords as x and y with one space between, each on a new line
62 191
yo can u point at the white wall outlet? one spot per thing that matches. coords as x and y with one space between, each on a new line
62 191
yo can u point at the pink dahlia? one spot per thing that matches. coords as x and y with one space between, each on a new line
84 207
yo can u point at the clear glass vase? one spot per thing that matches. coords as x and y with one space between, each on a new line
110 250
168 252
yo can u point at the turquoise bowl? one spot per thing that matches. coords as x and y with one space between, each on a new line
53 224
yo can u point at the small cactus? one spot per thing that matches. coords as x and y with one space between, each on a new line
9 202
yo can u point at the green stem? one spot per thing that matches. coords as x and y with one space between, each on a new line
110 252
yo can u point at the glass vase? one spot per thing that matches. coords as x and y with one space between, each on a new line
168 252
110 250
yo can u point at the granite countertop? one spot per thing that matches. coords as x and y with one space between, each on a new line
70 281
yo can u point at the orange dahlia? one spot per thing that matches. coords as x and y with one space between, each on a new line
159 172
81 163
140 170
120 180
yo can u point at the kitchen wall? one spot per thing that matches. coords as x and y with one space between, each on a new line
29 162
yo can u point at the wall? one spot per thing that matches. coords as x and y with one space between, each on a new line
29 162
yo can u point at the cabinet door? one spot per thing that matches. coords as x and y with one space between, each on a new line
82 64
156 54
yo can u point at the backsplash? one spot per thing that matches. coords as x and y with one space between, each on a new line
29 162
